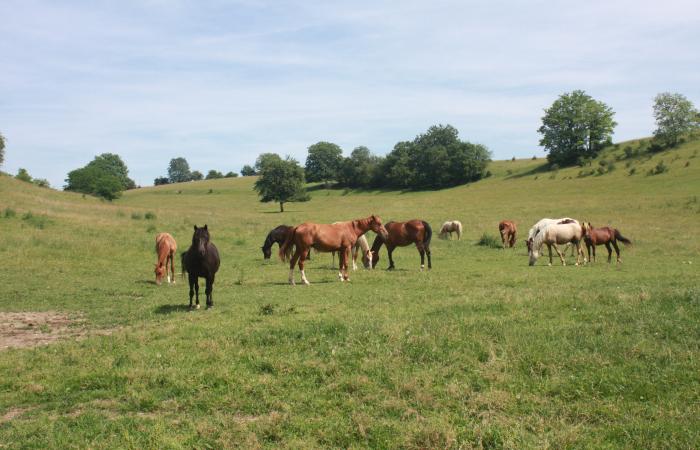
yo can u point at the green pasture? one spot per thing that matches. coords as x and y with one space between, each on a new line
481 352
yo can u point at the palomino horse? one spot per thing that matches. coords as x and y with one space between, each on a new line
278 235
165 248
201 260
540 225
554 234
449 227
402 234
508 231
603 236
361 244
340 237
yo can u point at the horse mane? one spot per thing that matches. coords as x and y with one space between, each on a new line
362 242
269 240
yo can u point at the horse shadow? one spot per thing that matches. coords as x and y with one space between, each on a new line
169 309
146 282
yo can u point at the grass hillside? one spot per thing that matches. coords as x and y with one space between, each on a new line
481 352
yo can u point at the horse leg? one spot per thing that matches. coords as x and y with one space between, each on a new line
390 250
192 280
292 263
345 264
172 266
617 250
427 252
355 250
556 249
208 291
549 249
503 238
607 245
421 250
302 259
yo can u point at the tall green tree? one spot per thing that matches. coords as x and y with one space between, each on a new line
323 162
282 181
95 181
179 170
247 171
196 175
214 174
112 164
23 175
576 126
675 116
359 170
264 159
2 149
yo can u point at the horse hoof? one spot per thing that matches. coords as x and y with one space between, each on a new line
550 264
210 306
196 307
306 283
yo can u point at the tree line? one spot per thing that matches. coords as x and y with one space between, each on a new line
179 172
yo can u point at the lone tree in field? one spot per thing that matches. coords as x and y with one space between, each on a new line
179 170
2 149
247 171
575 127
323 162
675 116
105 176
281 180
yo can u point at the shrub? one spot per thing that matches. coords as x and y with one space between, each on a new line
267 309
9 213
149 215
136 216
487 240
611 167
601 170
659 169
687 163
632 171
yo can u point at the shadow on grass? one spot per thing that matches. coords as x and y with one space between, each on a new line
544 168
169 309
153 282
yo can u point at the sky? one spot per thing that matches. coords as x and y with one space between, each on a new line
219 82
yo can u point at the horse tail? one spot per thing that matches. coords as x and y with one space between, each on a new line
621 238
287 247
183 260
428 233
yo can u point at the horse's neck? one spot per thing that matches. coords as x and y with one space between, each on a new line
163 253
269 240
360 227
377 244
363 243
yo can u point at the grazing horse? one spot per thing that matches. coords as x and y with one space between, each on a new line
603 236
541 224
402 234
508 231
278 235
340 237
449 227
554 234
201 260
361 244
165 248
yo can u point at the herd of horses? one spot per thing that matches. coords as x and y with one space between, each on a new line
347 239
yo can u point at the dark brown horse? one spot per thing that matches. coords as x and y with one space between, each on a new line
340 237
278 235
402 234
603 236
508 232
201 260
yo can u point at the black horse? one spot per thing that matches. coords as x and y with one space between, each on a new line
278 235
201 260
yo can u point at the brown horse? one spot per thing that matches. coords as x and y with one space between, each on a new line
508 231
603 236
402 234
165 248
340 237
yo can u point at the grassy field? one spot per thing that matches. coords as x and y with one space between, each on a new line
481 352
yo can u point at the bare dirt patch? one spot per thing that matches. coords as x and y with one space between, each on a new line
30 329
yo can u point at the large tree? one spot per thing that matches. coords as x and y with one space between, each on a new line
264 159
675 116
179 170
247 171
112 164
214 174
105 176
360 169
576 126
281 180
196 175
323 162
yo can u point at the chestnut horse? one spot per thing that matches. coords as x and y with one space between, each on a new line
278 235
603 236
340 237
165 248
201 260
508 231
361 244
402 234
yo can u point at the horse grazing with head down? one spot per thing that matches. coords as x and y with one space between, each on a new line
339 237
278 235
201 260
553 235
603 236
508 231
540 225
165 248
402 234
449 227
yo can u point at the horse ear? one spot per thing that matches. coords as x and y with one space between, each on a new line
195 228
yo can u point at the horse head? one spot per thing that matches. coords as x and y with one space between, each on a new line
200 239
267 252
375 224
160 273
375 258
534 254
367 259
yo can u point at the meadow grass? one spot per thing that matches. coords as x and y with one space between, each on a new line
481 352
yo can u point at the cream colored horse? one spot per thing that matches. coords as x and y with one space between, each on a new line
555 234
449 227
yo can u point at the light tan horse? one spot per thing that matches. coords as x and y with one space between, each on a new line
556 234
165 248
339 237
449 227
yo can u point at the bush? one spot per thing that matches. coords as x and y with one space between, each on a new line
658 169
9 213
632 171
601 171
136 216
149 216
487 240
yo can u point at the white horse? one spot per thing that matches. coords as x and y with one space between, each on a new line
366 253
540 225
449 227
554 234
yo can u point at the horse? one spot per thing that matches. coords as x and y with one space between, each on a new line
603 236
557 233
201 260
508 231
366 254
541 224
165 249
402 234
450 226
278 235
340 237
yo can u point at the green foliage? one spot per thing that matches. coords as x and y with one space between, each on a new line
150 215
360 170
41 182
658 169
39 221
23 175
323 162
281 181
196 175
214 174
161 181
179 170
112 164
136 216
675 117
265 159
575 126
2 149
106 176
231 175
488 240
247 171
632 171
9 213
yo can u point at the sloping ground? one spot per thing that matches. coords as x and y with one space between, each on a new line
483 351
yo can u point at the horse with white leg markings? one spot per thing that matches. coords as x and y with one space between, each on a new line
449 227
564 232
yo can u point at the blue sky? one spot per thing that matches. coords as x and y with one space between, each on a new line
219 82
